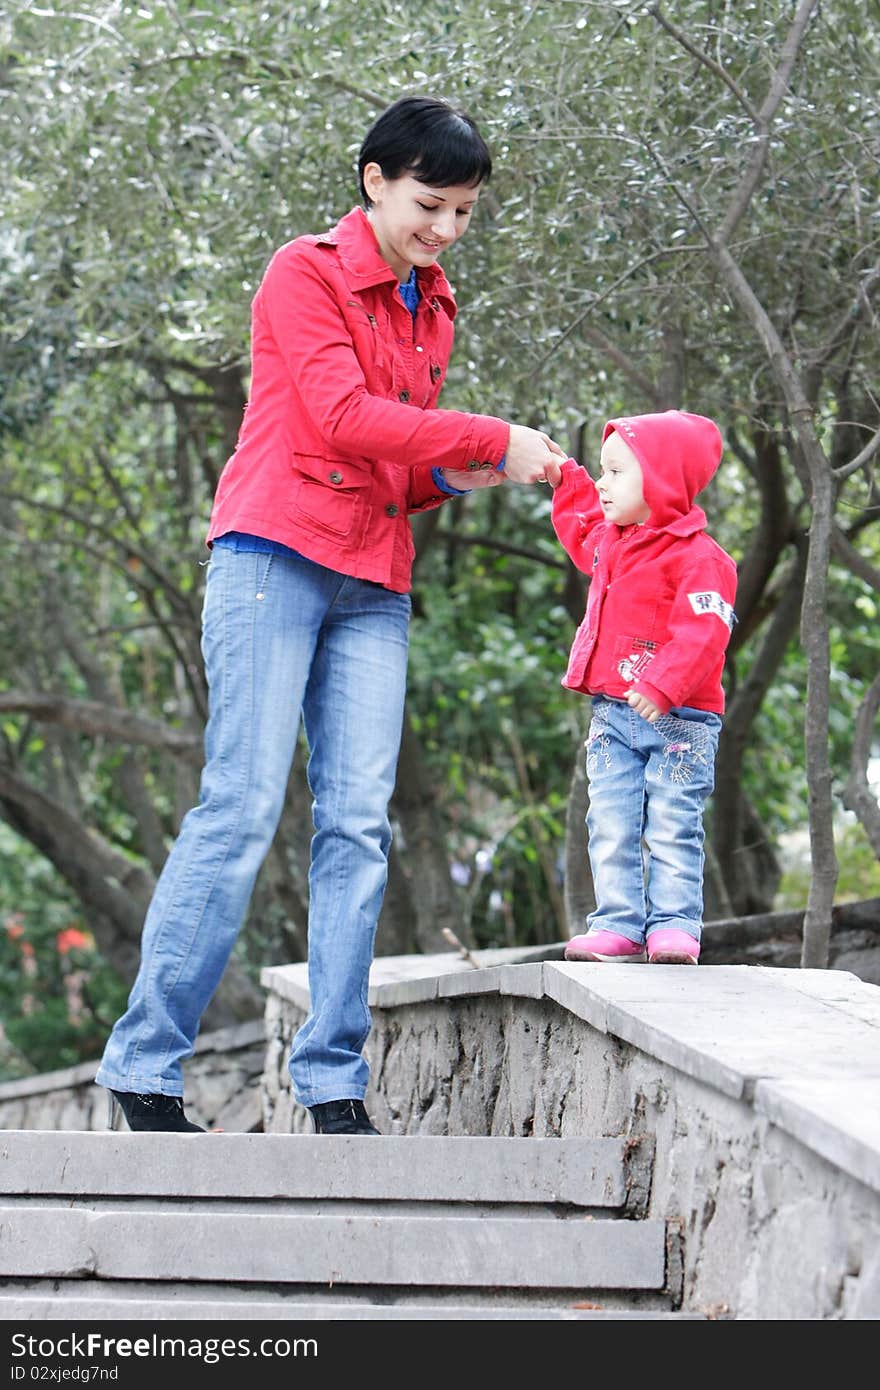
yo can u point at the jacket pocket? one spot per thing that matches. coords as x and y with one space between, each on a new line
331 494
633 656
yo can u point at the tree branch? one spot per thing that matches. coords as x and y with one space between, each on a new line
743 195
854 560
100 721
502 548
862 457
704 58
594 303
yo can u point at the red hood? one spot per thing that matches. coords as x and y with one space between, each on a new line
679 453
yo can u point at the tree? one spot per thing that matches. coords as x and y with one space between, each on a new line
681 214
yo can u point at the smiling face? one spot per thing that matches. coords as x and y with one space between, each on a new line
413 222
620 484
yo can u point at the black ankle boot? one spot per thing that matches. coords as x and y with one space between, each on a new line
342 1117
147 1112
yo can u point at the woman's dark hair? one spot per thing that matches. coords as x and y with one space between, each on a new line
434 141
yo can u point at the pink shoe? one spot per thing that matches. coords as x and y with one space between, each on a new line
606 946
669 946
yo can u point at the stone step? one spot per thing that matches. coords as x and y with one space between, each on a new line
52 1303
610 1173
116 1242
112 1225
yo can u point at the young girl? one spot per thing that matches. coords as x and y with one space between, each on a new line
307 607
650 652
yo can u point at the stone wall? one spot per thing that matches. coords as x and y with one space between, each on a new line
769 1227
222 1085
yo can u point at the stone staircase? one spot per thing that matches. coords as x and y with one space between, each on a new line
256 1226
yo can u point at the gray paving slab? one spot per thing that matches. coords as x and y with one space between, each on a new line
289 982
564 982
798 1038
497 1252
395 993
726 1025
523 981
577 1171
839 989
484 981
838 1119
643 983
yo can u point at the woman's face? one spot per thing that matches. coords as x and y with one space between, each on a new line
413 222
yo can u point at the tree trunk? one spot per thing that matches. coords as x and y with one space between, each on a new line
858 796
814 619
730 840
421 855
816 641
580 898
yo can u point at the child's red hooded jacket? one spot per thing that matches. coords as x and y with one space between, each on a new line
660 606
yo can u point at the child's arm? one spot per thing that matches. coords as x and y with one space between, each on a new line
576 512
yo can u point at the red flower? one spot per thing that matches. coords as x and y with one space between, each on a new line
15 925
72 938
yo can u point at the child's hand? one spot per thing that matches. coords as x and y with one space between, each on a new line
643 706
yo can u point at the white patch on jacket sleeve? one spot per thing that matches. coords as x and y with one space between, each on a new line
708 601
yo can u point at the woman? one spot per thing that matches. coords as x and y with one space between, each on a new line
307 607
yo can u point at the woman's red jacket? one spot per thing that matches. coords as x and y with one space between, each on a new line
340 433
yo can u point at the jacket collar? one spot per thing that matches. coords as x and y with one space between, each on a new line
359 253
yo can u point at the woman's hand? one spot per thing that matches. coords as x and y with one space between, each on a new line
468 480
533 457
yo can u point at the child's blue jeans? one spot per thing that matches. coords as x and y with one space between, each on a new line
282 638
648 787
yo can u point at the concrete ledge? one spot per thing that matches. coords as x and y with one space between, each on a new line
758 1087
838 1119
731 1027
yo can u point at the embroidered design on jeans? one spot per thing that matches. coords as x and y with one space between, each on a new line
598 742
683 757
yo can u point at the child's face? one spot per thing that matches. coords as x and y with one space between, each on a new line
620 484
414 223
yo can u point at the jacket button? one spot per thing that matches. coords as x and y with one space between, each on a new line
404 396
336 476
436 373
472 463
392 509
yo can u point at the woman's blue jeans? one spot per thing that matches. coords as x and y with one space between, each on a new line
282 638
648 787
